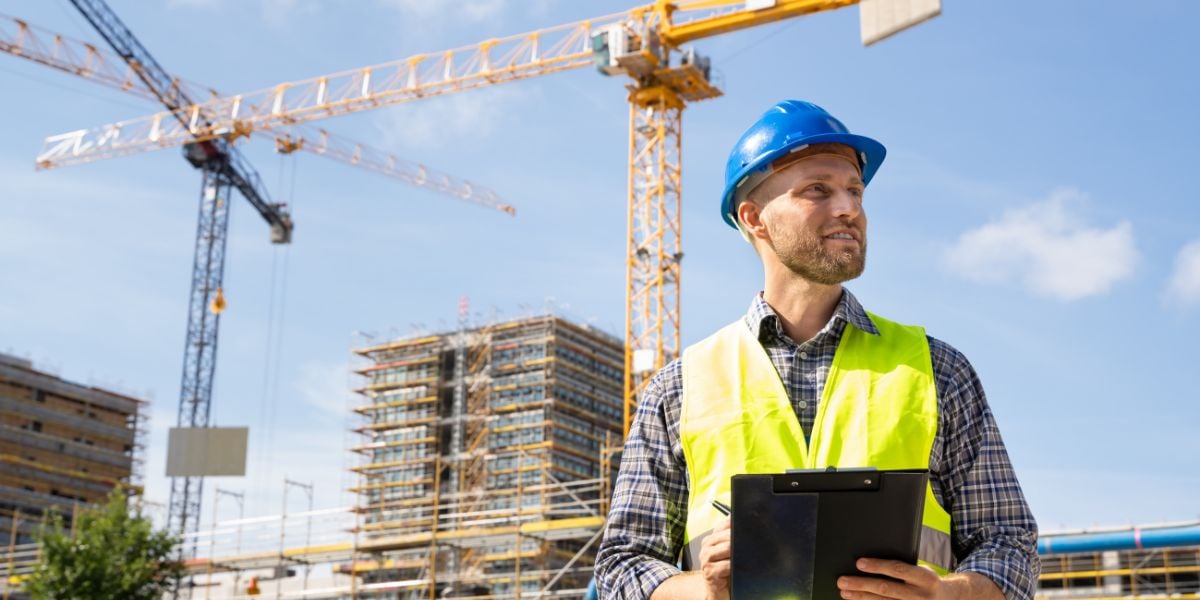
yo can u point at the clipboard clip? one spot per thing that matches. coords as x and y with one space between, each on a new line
831 479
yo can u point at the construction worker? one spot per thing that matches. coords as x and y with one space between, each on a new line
809 379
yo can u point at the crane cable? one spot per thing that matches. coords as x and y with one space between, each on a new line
757 41
272 364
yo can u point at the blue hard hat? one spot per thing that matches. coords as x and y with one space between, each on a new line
786 127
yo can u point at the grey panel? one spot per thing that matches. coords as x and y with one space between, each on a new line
880 19
207 451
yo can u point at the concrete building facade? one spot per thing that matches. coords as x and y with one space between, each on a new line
62 444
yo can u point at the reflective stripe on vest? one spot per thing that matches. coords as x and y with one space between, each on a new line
878 409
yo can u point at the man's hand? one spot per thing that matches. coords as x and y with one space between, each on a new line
915 583
711 580
714 562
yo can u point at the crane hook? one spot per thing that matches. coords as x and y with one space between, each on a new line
218 303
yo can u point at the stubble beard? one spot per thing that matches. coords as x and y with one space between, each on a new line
804 253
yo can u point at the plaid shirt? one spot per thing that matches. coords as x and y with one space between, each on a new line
994 532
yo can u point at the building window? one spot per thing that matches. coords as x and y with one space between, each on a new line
36 426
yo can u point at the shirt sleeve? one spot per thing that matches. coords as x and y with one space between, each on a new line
649 504
994 532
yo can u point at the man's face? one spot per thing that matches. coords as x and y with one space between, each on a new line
813 212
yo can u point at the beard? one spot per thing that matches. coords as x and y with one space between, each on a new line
803 252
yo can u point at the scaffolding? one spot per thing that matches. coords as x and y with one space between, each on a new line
482 460
1172 572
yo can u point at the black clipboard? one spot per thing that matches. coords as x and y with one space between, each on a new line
794 534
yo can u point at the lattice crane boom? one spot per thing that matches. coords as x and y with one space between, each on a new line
421 76
318 141
21 39
490 62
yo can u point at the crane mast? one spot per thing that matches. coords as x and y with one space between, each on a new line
654 251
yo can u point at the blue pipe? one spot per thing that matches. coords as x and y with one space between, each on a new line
1135 538
1132 539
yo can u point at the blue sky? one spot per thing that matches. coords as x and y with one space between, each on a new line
1035 211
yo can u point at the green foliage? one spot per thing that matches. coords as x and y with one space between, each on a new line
114 555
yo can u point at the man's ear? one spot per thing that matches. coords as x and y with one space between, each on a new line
750 223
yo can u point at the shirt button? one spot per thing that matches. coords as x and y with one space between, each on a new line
803 355
803 404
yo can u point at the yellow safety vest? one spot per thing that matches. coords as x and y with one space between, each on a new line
879 409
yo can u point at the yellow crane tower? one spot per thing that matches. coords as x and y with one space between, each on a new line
645 43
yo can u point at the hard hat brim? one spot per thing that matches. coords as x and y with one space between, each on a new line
870 155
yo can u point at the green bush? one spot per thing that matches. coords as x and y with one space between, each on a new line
113 555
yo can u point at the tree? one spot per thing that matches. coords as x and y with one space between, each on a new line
113 555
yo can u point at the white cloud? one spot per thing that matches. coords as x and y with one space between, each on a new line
451 119
1184 286
1049 248
325 387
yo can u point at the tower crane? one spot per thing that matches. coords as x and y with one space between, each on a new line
133 70
222 169
645 43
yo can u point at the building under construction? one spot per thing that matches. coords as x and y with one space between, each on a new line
62 444
484 466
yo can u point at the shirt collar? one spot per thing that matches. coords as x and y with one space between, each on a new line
761 318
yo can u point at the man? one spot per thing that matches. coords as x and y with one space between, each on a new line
808 379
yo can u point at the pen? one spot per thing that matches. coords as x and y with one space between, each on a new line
717 504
